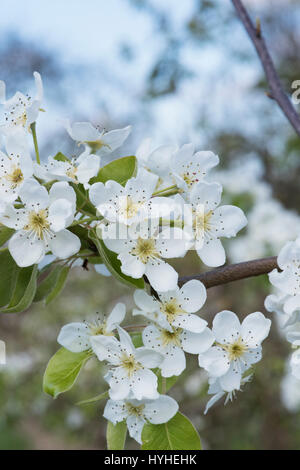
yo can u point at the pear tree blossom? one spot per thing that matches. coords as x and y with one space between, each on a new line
143 249
77 170
76 337
215 389
21 110
138 412
208 222
15 165
41 223
175 308
286 299
129 375
98 142
172 344
132 203
237 347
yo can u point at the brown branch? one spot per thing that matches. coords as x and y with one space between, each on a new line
277 92
234 272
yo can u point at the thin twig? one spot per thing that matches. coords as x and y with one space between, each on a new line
234 272
277 92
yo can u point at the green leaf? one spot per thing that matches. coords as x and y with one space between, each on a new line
97 398
48 283
177 434
116 435
120 170
24 290
62 371
59 285
137 340
60 157
83 202
5 234
83 234
110 259
8 276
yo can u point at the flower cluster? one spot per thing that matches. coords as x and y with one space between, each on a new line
131 217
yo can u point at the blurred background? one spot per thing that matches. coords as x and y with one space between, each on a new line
178 72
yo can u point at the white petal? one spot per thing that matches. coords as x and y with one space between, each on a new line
97 194
125 341
119 384
197 343
60 214
161 275
135 426
161 410
212 253
148 358
82 131
88 168
131 265
215 361
114 139
115 411
106 348
189 322
172 243
145 302
255 328
62 190
64 244
213 400
24 250
144 385
174 363
231 380
207 195
228 220
192 296
116 316
75 337
34 195
226 327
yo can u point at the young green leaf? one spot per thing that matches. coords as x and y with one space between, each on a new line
120 170
62 371
112 263
59 284
177 434
116 435
60 157
8 276
24 290
48 283
5 234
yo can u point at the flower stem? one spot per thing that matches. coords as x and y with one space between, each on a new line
36 148
167 191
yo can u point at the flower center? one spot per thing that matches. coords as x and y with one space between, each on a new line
235 350
135 410
190 178
171 337
16 177
171 309
129 363
38 223
145 249
96 145
72 172
201 223
128 208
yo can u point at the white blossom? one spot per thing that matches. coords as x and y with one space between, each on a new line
208 222
99 143
15 165
157 161
172 344
129 375
141 249
237 347
132 203
286 299
41 223
175 308
77 170
215 389
139 412
188 168
76 337
21 110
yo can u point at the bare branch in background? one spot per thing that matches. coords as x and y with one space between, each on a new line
276 91
234 272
